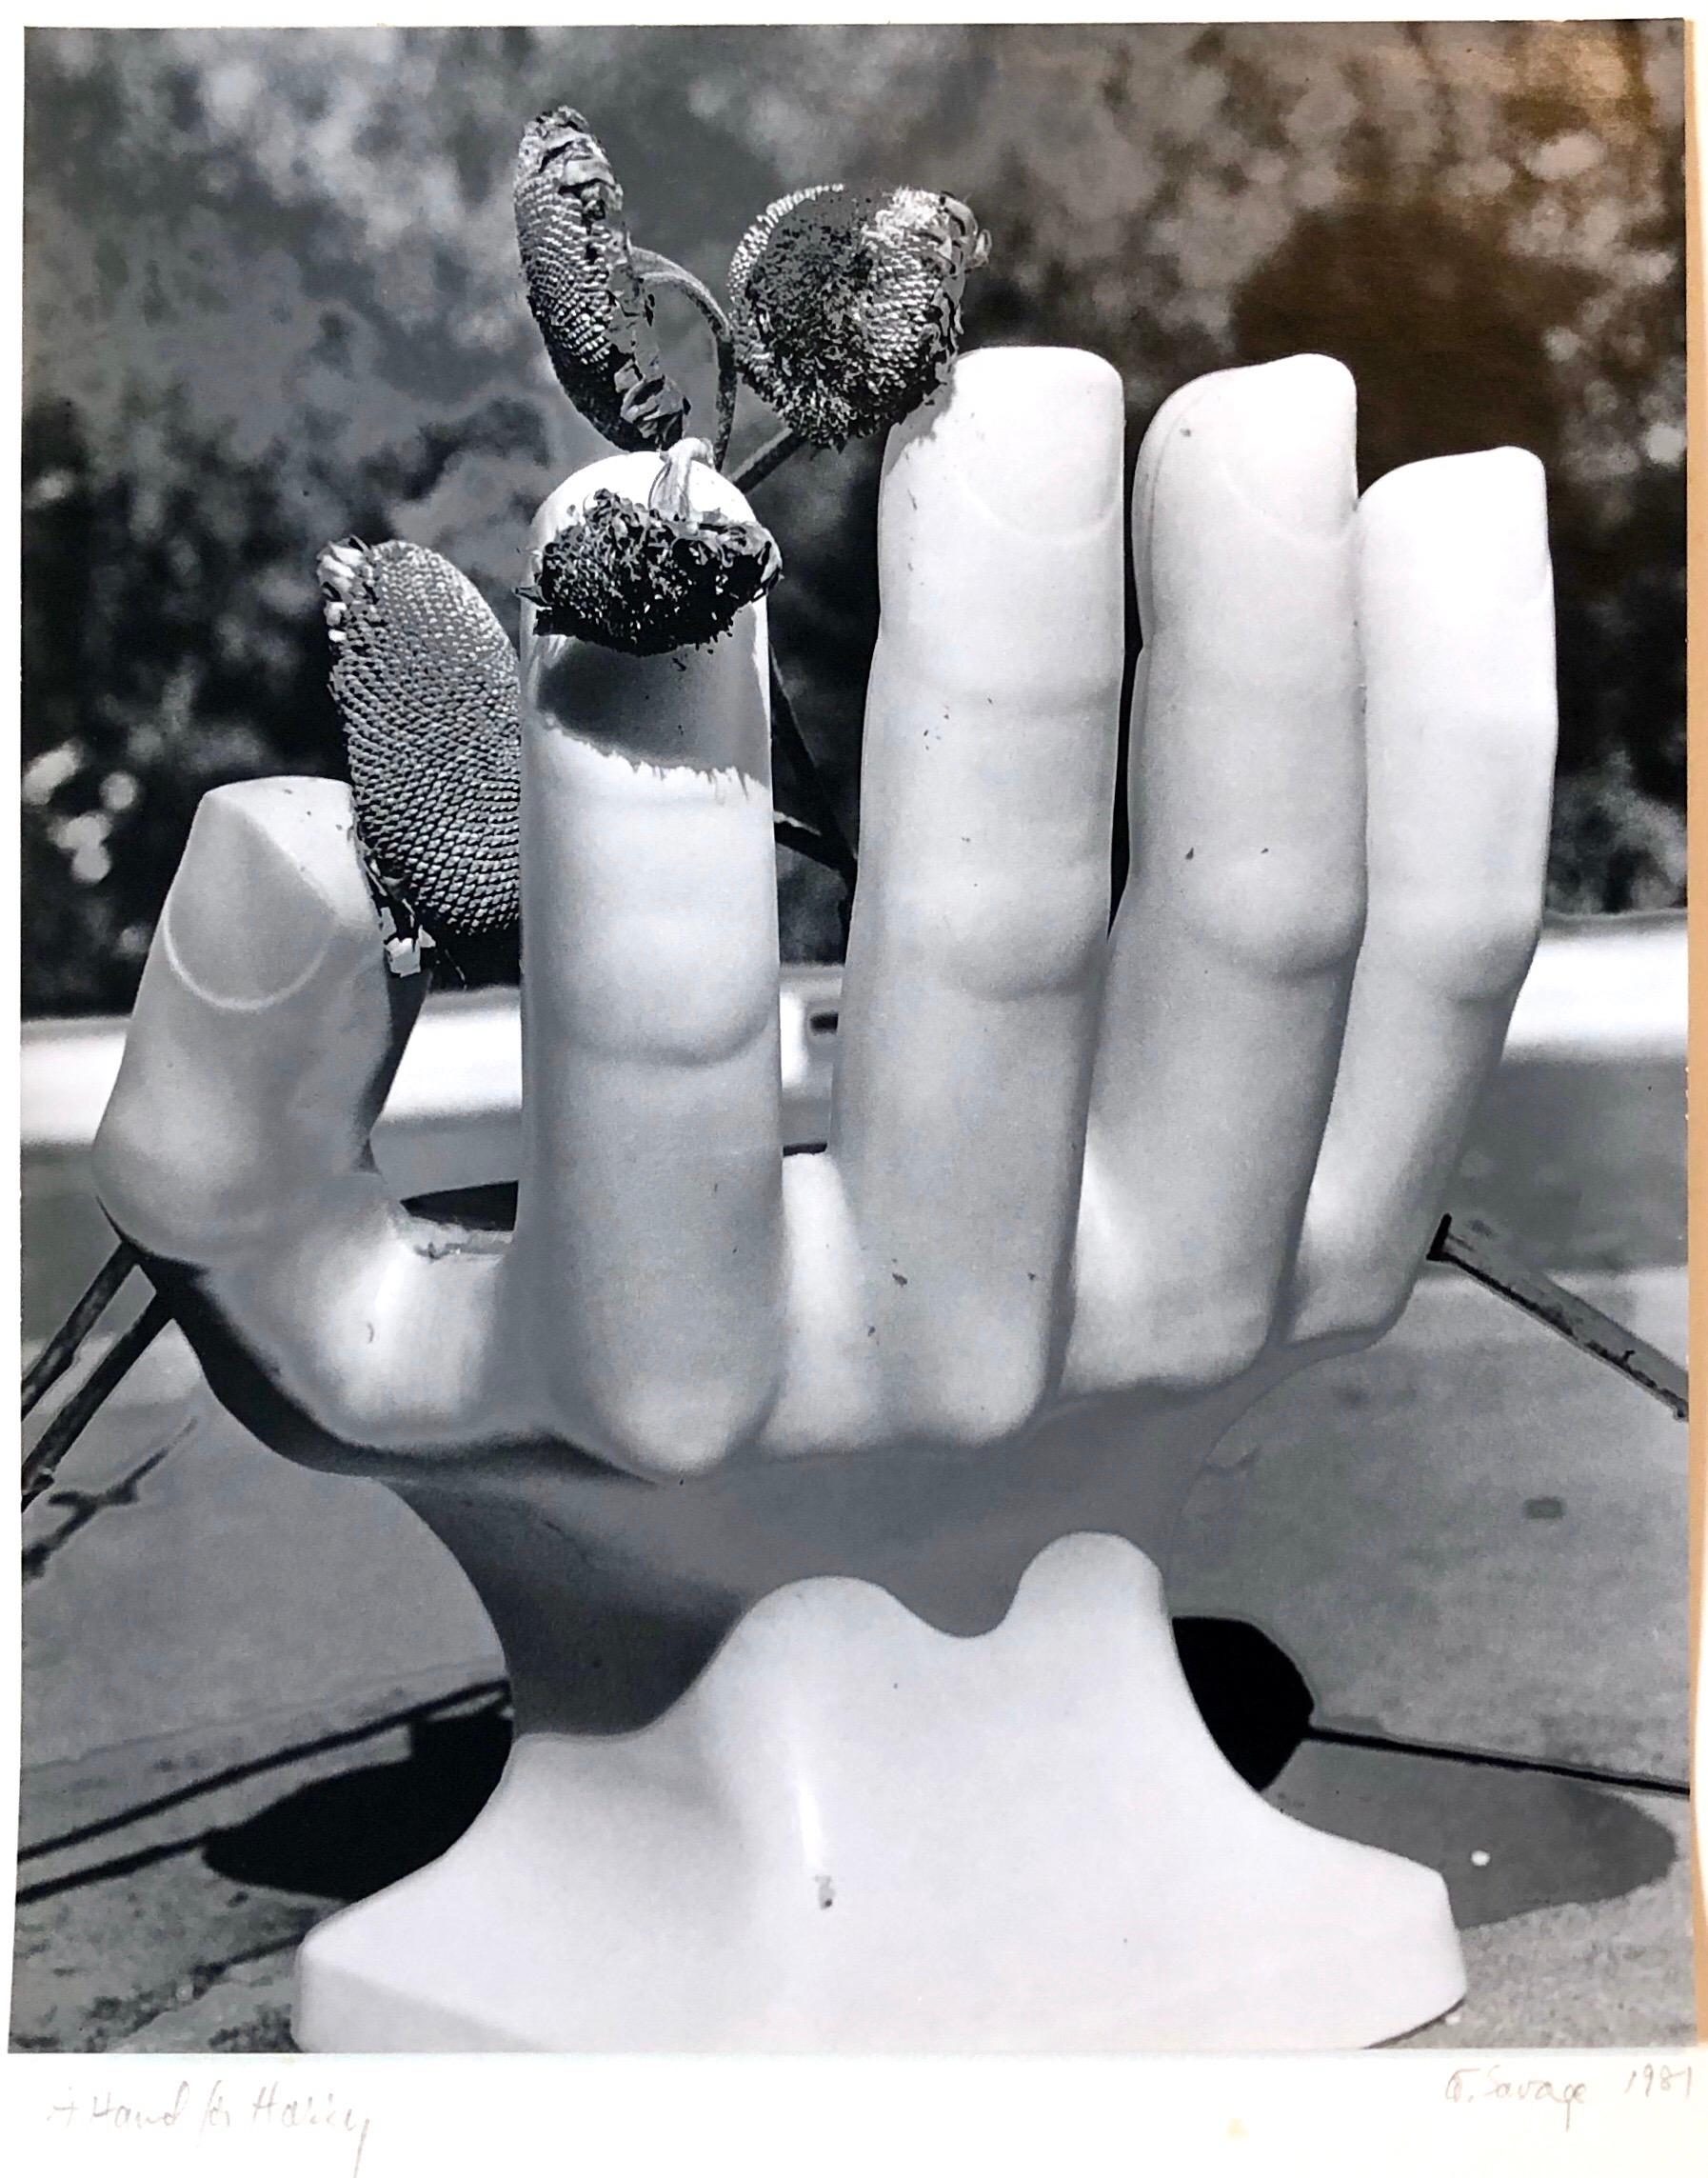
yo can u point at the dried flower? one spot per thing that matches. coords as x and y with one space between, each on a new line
654 578
846 304
429 697
583 286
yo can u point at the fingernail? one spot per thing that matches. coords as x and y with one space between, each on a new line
1482 518
244 921
1291 445
1283 437
1034 434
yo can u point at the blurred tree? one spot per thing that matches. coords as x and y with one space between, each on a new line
186 669
271 297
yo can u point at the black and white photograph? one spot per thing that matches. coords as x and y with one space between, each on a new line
853 1055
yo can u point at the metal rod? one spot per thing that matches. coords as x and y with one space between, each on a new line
1483 1758
62 1347
42 1461
1484 1252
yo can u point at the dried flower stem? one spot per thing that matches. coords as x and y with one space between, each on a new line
658 271
827 844
802 841
770 456
673 492
785 732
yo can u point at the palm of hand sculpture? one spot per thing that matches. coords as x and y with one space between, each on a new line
1089 1191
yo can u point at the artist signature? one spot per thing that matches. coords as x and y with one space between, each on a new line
1496 2082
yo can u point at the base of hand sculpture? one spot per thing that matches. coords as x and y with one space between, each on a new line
858 1832
940 1677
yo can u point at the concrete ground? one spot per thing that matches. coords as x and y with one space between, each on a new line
178 1933
174 1952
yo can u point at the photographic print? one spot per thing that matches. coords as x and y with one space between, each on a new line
853 1067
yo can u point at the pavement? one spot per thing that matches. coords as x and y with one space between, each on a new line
176 1929
177 1956
251 1692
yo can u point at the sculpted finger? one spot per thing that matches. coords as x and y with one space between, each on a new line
1231 953
234 1148
982 912
1456 611
648 1257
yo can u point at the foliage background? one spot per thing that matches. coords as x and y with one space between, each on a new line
272 298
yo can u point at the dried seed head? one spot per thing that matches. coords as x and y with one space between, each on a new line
429 697
588 300
654 578
846 304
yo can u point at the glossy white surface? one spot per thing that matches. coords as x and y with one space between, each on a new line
858 1834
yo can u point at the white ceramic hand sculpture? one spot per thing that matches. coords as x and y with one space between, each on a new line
740 1449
